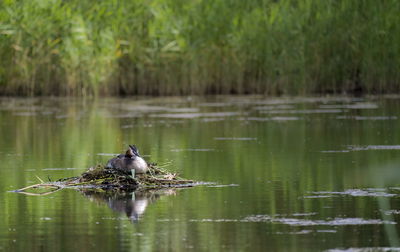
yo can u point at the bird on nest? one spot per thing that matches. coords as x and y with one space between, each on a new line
129 161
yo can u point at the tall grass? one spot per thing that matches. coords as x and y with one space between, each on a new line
173 47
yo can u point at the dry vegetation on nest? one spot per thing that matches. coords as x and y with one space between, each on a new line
98 177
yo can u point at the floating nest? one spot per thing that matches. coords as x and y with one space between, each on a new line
101 178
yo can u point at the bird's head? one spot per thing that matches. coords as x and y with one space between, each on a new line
134 150
129 153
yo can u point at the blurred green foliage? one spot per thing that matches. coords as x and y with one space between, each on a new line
173 47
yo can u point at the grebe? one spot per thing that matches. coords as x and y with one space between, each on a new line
128 161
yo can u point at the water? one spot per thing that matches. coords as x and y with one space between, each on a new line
300 174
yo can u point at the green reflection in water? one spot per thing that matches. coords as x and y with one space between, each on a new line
299 173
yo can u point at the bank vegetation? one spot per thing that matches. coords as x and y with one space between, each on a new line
180 47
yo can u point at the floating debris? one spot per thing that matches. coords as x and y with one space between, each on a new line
304 214
125 172
371 118
326 231
274 118
218 186
195 115
193 149
390 212
366 249
361 105
374 147
274 107
60 169
335 151
302 222
364 148
303 111
235 138
317 196
369 192
296 233
305 222
102 178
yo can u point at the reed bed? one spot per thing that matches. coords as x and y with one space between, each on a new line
177 47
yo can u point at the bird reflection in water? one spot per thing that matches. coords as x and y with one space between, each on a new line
133 204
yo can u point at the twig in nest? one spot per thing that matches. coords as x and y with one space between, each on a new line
23 190
166 164
39 179
39 194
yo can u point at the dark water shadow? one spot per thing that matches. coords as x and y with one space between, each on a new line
132 204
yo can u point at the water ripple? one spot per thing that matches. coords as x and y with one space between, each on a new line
364 148
195 115
201 150
305 222
236 138
361 105
374 147
60 169
367 249
230 185
303 111
275 118
369 192
371 118
302 222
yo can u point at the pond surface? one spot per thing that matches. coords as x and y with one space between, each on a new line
299 174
